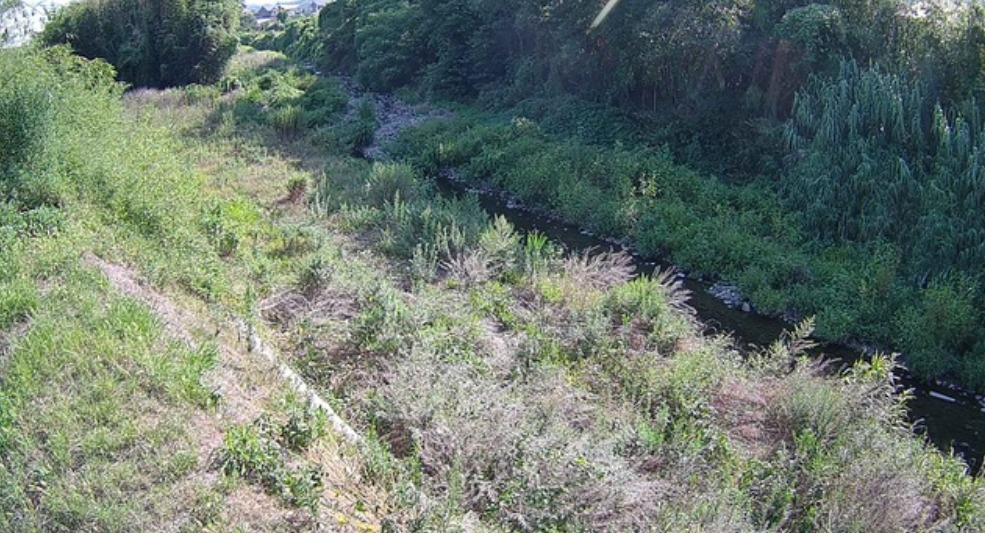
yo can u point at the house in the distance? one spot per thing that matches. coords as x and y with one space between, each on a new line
310 7
263 12
266 12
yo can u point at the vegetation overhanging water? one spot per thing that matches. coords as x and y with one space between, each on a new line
951 418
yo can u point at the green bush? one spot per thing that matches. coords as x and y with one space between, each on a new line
357 134
813 408
287 120
322 101
303 426
254 452
941 332
388 46
448 227
383 323
389 182
44 96
159 43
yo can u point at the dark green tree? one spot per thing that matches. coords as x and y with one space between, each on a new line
155 43
337 23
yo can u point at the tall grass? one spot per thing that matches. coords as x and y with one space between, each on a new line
95 395
516 388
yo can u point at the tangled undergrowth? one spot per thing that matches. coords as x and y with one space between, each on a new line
517 386
500 382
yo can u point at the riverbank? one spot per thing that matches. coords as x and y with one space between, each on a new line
853 196
455 343
713 230
491 381
951 417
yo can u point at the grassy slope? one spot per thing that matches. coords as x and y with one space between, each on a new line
111 418
500 385
517 388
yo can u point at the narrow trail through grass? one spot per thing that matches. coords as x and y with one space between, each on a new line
247 375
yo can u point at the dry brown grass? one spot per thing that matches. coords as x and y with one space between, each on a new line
469 268
533 453
599 271
255 60
740 407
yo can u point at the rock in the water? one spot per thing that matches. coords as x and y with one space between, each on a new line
728 294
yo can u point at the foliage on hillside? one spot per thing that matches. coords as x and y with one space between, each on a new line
843 139
879 161
744 59
157 43
297 37
518 387
108 416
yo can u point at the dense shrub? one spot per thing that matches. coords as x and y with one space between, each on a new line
62 106
516 388
297 38
877 159
825 188
154 43
858 288
41 101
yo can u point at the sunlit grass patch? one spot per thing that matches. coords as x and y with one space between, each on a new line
97 400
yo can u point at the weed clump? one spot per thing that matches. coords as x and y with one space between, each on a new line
259 453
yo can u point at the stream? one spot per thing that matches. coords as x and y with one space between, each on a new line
950 418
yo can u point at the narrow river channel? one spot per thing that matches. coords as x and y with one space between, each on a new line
951 419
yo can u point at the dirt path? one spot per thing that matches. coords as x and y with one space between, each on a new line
247 378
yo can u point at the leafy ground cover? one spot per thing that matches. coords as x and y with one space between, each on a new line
503 384
499 383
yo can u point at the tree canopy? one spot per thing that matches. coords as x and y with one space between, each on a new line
155 43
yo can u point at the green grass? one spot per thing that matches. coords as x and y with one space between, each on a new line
742 233
499 383
96 400
102 408
260 452
96 397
